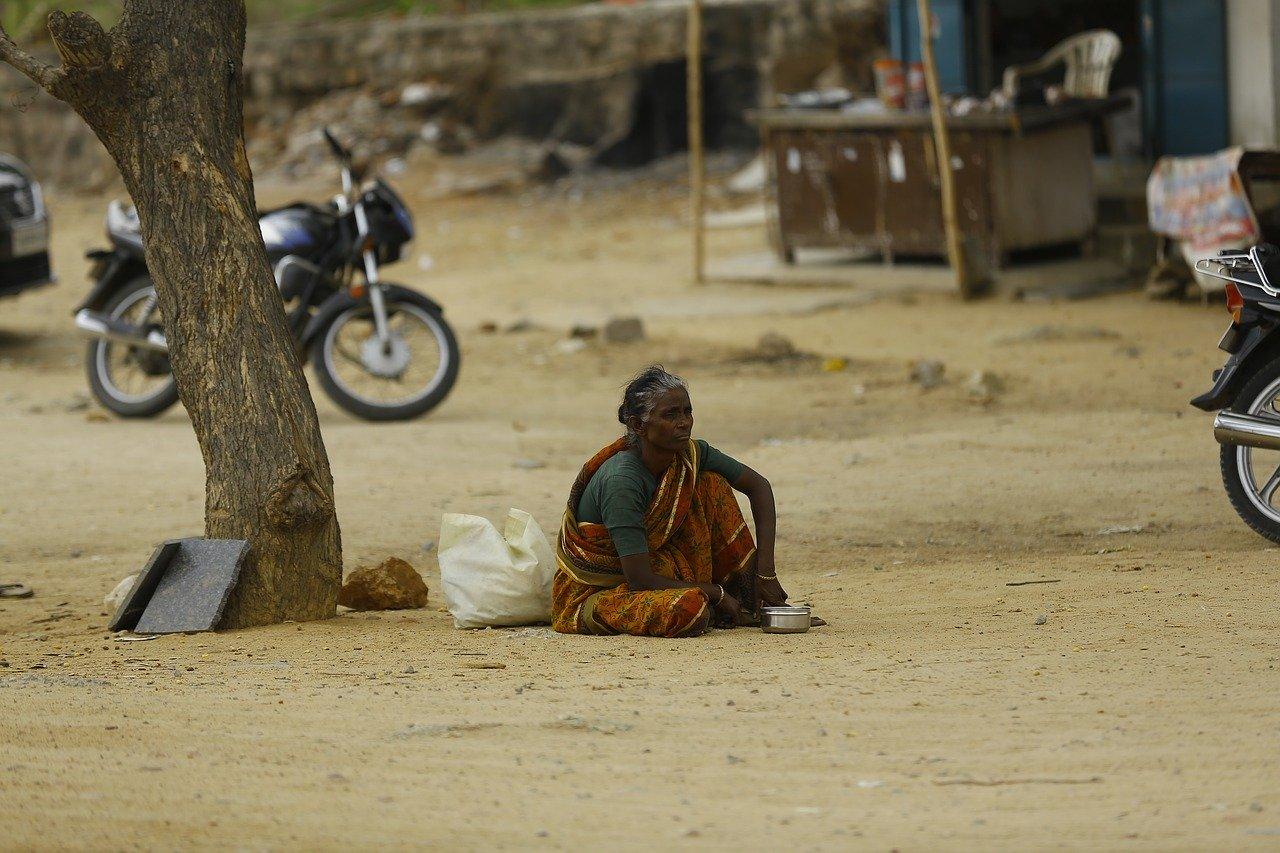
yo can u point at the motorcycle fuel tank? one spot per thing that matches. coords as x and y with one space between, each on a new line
298 230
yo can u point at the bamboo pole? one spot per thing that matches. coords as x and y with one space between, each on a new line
942 143
697 168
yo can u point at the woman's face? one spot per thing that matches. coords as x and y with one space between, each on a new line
671 423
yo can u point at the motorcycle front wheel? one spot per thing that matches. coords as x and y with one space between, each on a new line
1252 475
403 377
133 382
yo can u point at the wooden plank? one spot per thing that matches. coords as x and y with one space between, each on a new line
697 167
955 250
1024 119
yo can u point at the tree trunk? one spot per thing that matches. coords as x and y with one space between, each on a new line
162 90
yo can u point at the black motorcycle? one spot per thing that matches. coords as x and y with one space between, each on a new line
1247 388
380 350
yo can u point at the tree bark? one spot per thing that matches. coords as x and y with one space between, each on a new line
163 91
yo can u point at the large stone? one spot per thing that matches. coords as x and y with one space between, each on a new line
391 585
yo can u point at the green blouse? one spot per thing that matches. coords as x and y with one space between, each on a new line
619 493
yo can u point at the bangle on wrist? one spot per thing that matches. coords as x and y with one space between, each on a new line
767 577
717 602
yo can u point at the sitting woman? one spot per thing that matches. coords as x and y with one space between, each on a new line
653 540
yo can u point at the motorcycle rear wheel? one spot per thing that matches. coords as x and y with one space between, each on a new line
407 378
1252 475
111 365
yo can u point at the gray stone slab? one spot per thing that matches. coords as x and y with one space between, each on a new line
185 586
193 592
130 610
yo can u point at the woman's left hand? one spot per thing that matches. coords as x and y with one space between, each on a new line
769 590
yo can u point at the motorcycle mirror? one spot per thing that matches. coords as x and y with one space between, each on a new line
334 145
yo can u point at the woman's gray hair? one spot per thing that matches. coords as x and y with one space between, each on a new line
640 397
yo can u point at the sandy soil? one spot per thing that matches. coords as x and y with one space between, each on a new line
933 712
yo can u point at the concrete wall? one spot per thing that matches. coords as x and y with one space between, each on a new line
573 74
1253 71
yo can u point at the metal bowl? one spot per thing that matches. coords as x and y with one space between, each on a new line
785 620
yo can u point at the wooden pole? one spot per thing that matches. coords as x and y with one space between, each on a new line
697 169
942 144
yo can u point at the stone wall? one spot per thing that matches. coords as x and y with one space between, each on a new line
607 77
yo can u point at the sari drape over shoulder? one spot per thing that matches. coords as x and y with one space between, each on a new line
695 532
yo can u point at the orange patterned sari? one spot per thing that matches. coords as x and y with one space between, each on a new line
696 533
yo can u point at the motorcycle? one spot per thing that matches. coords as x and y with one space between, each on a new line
1246 390
380 350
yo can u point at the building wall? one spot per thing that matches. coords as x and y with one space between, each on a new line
1253 62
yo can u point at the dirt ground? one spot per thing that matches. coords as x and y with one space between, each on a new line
934 711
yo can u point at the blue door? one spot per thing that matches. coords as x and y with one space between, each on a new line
1186 76
948 50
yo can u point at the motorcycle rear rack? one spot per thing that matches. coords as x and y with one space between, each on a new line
1237 262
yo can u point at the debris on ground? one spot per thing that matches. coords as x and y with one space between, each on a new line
556 160
744 217
581 330
984 386
449 185
569 346
15 590
1042 618
1055 333
749 179
623 330
1121 528
575 723
775 347
441 729
488 327
117 595
528 464
521 325
393 584
927 373
835 365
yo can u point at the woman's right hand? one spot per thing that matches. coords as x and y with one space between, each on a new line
730 607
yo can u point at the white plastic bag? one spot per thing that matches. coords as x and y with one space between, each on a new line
495 579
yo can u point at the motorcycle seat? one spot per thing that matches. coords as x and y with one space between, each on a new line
123 228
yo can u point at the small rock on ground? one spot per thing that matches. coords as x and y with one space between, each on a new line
391 585
623 330
774 347
1053 332
985 386
117 595
927 373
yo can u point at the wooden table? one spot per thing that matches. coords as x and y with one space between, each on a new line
1024 179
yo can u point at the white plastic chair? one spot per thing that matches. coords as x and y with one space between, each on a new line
1089 57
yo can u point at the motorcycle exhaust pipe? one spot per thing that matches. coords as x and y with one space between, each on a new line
1247 430
97 325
